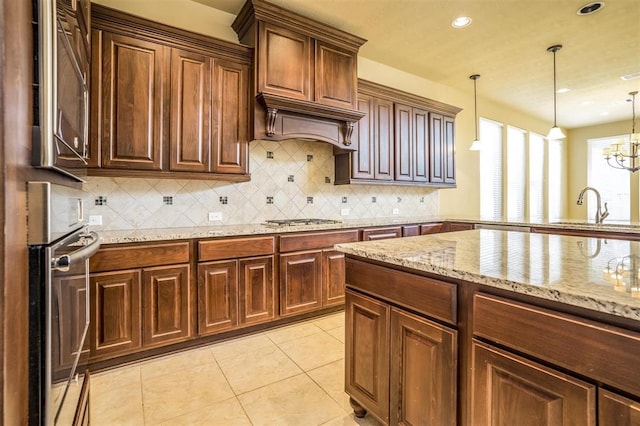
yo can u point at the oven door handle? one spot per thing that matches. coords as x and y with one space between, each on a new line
63 262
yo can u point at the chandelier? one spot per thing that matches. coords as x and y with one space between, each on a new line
624 274
625 154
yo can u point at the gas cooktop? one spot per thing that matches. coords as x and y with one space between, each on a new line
294 222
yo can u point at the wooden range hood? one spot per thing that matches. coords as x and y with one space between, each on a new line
305 81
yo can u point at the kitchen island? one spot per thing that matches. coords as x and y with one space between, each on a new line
494 327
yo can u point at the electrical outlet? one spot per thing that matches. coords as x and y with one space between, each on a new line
396 211
213 216
95 220
344 212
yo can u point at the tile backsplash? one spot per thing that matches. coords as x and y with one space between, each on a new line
291 179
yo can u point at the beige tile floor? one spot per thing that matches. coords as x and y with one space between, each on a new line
292 375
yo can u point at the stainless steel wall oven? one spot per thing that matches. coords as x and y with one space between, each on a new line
60 246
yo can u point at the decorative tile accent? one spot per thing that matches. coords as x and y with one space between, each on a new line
290 178
309 200
270 155
309 157
137 203
422 199
167 200
344 200
398 199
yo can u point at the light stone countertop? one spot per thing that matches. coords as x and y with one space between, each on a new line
570 270
163 234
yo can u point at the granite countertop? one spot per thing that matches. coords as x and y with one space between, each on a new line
162 234
577 271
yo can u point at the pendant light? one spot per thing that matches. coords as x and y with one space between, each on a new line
475 145
555 132
625 154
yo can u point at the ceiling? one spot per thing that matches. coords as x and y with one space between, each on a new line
506 44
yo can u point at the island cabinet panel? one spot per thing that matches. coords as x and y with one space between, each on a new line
510 390
617 410
166 304
217 296
367 354
547 334
132 86
423 373
300 282
191 75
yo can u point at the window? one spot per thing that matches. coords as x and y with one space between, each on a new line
613 184
516 173
536 176
490 170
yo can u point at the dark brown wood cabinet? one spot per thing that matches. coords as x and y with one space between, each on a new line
235 283
403 139
141 298
617 410
508 390
367 353
312 273
305 81
371 234
166 101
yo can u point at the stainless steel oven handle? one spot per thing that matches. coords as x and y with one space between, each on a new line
65 261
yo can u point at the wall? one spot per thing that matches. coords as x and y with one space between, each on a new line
577 166
297 182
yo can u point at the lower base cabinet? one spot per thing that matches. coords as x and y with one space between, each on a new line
400 367
617 410
510 390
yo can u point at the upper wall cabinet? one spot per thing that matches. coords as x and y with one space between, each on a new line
167 102
403 139
306 75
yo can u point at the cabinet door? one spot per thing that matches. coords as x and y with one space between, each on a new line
448 144
436 148
510 390
336 77
423 371
256 292
616 410
383 139
300 282
403 143
367 354
69 322
285 62
166 305
217 296
362 160
333 277
134 74
115 313
420 136
190 143
230 111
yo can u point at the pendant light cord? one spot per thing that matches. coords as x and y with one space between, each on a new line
475 105
553 49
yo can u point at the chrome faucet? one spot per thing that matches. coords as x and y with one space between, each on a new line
600 215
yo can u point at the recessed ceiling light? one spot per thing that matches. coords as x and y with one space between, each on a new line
630 76
461 22
563 90
590 8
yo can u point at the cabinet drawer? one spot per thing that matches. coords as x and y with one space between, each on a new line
381 233
234 247
139 256
605 353
433 298
431 228
316 240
